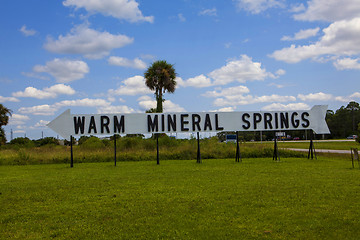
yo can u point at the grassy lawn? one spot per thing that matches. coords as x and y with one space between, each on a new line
218 199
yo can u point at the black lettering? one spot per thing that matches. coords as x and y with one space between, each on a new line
207 123
284 120
172 123
153 125
217 123
276 121
162 122
267 121
183 122
304 116
257 119
92 125
244 117
119 126
105 120
196 122
295 122
79 124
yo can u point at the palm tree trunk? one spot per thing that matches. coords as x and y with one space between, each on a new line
159 101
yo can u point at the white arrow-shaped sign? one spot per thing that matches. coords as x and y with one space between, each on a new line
68 124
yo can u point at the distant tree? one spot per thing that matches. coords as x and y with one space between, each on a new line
4 119
343 121
46 141
354 108
160 77
151 110
23 142
82 139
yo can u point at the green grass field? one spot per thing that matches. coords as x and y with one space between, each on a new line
296 198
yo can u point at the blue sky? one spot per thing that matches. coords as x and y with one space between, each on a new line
239 55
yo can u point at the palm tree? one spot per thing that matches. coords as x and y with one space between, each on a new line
160 76
4 119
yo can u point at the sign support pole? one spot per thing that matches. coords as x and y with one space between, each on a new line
198 158
312 147
71 152
157 149
238 155
276 151
115 149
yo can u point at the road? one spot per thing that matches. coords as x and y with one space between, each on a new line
321 150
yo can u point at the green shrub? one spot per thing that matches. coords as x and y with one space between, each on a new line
92 143
23 142
46 141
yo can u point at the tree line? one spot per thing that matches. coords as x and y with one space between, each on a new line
345 121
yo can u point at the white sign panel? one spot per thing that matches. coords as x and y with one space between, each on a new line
68 124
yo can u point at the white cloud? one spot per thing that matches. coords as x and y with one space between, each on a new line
355 95
124 62
329 10
115 109
146 102
297 8
88 42
227 45
235 96
225 109
198 82
181 17
276 85
120 9
27 32
48 110
51 92
340 38
236 100
41 124
35 75
241 70
302 34
132 86
258 6
350 98
286 107
86 102
8 99
231 91
44 110
64 70
320 96
208 12
18 119
347 63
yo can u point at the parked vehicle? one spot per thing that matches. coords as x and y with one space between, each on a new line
352 137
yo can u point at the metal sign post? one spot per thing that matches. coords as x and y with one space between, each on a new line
115 149
312 152
157 149
198 157
238 155
276 155
71 152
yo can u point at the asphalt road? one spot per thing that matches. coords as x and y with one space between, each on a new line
321 150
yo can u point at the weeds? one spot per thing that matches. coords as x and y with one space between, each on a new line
134 149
